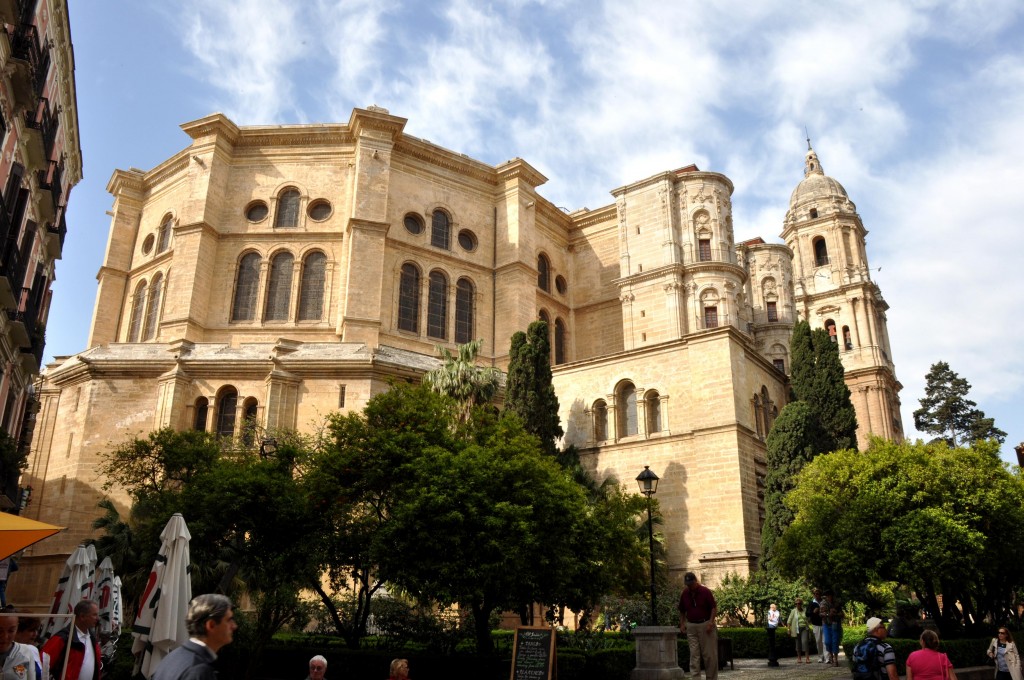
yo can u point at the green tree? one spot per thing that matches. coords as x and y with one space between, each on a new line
820 419
353 482
529 392
461 379
937 520
948 413
246 514
489 525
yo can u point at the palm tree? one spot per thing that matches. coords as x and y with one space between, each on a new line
461 379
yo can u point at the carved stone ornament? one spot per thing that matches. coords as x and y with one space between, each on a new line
627 297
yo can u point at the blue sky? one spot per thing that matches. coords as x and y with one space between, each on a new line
916 107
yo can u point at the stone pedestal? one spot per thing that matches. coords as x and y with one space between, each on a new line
657 657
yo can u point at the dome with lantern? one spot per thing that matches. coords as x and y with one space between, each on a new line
817 191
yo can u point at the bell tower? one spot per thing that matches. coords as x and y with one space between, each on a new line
833 290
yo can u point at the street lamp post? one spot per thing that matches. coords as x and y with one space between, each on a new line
648 482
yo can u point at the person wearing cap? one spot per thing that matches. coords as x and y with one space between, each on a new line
886 656
697 613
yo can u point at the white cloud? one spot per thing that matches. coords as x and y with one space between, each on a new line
243 48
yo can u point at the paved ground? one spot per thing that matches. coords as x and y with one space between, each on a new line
758 669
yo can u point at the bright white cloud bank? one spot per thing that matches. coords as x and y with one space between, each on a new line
913 106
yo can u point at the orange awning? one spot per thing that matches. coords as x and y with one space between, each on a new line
17 533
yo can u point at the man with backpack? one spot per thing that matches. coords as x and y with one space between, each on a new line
873 658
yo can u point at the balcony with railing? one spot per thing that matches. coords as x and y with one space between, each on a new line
50 180
12 271
703 252
7 282
40 134
26 60
55 234
14 12
22 320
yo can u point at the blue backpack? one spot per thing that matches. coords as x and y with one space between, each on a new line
865 660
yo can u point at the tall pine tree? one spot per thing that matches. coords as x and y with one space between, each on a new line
948 413
528 391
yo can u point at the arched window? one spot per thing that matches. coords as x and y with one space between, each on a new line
311 293
626 407
543 273
153 310
287 209
830 326
202 410
847 338
441 230
279 287
409 298
437 306
652 404
249 424
758 417
600 421
226 403
543 316
138 306
463 311
164 235
820 252
247 282
559 342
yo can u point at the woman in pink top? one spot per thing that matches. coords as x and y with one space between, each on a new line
928 663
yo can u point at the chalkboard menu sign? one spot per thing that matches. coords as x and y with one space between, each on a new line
533 655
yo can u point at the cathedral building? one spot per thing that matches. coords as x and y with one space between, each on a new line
270 275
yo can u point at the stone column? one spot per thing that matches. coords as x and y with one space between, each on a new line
657 656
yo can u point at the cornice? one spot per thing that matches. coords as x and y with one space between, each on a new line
213 124
691 177
294 135
172 166
124 181
668 177
372 226
592 217
376 119
519 169
657 273
421 149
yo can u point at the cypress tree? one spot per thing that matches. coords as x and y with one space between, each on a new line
793 442
829 397
529 392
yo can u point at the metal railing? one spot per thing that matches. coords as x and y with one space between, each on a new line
50 179
11 265
693 254
25 45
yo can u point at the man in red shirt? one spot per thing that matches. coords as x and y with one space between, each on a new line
84 659
697 613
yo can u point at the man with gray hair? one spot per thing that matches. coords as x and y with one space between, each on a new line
317 668
211 625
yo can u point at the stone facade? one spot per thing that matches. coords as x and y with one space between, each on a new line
276 274
40 161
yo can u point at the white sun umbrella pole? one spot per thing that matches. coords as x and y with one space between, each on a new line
104 598
160 623
88 592
69 591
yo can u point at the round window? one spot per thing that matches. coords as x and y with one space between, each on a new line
147 244
257 211
319 210
414 223
467 240
560 285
